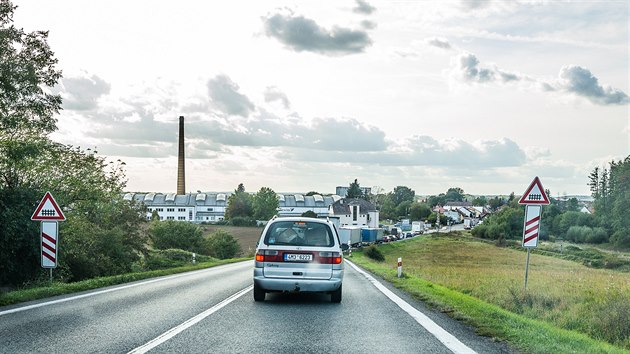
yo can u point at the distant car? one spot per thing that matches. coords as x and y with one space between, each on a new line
387 238
299 254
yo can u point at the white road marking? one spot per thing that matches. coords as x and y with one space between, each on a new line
189 323
450 341
53 302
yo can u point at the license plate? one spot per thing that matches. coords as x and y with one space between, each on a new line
289 257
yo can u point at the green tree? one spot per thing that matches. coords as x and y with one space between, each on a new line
402 210
610 188
107 242
388 208
496 202
401 194
480 201
454 194
435 200
354 190
620 202
176 234
240 204
419 211
265 204
86 186
221 244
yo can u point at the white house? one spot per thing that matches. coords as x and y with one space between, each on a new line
355 212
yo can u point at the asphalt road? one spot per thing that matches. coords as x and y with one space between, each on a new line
213 311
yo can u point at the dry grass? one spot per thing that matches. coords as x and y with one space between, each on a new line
564 293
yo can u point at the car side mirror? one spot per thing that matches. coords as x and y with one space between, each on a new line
345 247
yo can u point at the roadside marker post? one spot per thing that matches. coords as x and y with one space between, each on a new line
533 199
399 267
49 214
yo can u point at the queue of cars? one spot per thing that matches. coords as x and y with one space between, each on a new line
400 236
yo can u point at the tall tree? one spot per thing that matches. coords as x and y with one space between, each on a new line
265 204
455 194
403 193
84 184
354 190
593 182
240 204
27 109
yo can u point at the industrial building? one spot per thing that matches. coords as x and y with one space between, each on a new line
210 207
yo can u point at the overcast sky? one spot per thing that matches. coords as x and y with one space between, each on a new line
305 96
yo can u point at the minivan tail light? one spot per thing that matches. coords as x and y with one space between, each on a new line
330 257
268 256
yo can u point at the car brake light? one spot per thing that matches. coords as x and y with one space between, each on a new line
330 257
268 256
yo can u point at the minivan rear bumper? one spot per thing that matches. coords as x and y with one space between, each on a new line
298 284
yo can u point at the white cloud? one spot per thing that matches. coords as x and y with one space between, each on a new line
576 80
580 81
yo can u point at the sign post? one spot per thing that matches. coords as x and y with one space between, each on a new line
533 199
49 213
399 267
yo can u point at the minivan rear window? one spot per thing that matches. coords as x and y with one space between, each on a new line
299 233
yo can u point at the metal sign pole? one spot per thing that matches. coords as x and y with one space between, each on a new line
527 267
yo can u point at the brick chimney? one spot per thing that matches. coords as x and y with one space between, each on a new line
181 164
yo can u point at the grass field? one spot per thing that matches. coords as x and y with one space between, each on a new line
562 293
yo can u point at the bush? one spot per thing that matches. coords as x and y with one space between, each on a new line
242 221
585 234
220 244
374 253
171 258
176 234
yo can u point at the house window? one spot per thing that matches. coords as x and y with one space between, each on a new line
170 209
170 218
181 209
181 218
190 215
355 210
209 209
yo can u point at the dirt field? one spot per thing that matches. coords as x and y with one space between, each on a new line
246 236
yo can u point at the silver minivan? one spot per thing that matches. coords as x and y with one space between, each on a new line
299 254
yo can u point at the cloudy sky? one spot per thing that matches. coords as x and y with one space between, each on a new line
304 95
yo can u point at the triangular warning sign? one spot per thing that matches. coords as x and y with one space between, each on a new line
535 194
48 210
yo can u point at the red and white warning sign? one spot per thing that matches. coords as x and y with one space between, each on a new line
48 210
532 225
535 194
49 244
